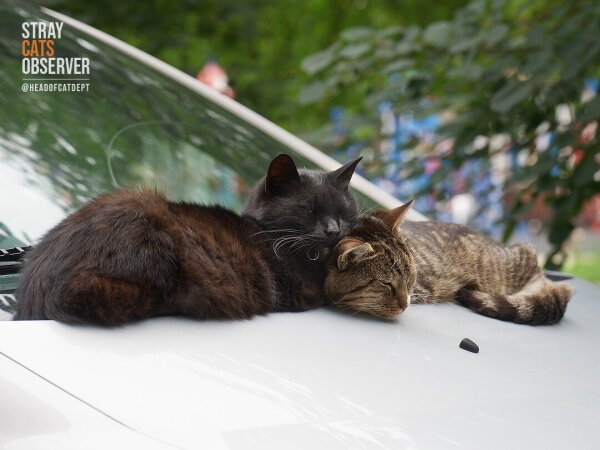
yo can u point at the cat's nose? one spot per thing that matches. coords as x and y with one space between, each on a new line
404 302
332 228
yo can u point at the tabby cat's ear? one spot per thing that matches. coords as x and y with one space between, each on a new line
395 216
353 250
282 171
341 177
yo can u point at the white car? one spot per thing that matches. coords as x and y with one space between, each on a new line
315 380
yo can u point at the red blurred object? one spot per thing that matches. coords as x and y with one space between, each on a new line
590 216
214 76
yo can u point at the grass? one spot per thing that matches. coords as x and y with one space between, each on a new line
584 265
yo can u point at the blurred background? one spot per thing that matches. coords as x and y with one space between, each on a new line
484 111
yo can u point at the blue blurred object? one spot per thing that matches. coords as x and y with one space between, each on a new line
480 181
397 149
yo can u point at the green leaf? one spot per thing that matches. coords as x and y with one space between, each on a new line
591 110
496 34
465 44
398 65
384 53
356 33
587 167
560 231
438 34
319 61
538 61
354 51
468 71
511 94
313 92
390 32
406 47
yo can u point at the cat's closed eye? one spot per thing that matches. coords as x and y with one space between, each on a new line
389 286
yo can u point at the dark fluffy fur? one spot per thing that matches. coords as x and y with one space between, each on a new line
129 255
304 213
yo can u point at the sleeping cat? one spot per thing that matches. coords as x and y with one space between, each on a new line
129 255
384 264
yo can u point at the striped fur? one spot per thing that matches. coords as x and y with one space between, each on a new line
452 263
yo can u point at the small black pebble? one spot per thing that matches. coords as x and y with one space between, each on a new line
468 345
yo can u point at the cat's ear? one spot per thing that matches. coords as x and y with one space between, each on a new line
341 177
282 171
353 250
395 216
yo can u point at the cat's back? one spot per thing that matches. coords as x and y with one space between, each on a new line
440 238
120 213
106 229
128 222
460 255
110 234
137 242
434 229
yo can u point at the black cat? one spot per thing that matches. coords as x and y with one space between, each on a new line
129 255
304 213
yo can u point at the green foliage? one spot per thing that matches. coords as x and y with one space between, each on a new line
496 68
260 43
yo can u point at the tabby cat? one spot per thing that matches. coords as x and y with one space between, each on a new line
385 263
129 254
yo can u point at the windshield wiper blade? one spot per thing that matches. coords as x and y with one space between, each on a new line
11 259
14 254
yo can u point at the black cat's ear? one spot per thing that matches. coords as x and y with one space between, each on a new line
395 216
282 171
353 250
341 177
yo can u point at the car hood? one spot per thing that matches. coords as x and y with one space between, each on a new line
328 380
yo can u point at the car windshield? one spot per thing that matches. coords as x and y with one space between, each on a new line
134 128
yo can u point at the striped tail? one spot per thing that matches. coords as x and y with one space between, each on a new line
539 302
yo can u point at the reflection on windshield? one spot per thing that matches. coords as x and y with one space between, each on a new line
134 127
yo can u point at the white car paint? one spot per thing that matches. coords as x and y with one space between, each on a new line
325 380
35 414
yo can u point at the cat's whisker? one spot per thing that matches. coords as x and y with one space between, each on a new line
266 239
287 238
302 242
291 238
301 247
282 230
296 246
367 210
306 242
283 241
337 302
364 212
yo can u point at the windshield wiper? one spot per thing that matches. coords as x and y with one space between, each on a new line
13 254
11 259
